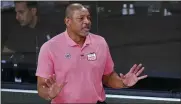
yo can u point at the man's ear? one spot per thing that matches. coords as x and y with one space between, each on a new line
67 21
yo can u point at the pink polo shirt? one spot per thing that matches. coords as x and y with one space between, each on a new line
81 67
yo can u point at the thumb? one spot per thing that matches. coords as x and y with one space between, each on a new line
121 75
62 85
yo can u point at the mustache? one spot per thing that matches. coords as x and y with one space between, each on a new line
87 26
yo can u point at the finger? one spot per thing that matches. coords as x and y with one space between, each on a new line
132 69
137 68
140 71
51 79
121 75
48 82
54 77
142 77
62 85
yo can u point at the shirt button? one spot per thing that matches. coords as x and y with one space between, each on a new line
82 56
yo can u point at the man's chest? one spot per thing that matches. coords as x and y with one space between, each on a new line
88 60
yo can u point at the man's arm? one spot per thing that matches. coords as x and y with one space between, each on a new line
113 80
127 80
110 77
44 69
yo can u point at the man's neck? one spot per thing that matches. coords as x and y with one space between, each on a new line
76 38
33 22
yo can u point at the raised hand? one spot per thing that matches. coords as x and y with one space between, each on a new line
53 87
132 77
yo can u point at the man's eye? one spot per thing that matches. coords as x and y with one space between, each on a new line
81 18
20 12
89 18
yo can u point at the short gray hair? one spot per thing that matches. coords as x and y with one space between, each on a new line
71 8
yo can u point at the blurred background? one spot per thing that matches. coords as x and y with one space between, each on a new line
147 32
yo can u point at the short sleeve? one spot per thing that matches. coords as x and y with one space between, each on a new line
109 66
45 62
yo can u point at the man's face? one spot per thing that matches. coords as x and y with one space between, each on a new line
23 14
80 22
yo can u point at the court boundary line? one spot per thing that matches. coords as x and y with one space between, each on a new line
107 95
142 98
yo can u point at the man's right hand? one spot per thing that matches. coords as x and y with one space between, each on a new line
53 87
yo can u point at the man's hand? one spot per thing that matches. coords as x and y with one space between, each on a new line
53 87
132 77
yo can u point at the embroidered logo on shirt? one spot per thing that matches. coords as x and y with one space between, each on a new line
91 56
67 55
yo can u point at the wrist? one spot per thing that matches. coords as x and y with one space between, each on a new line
50 97
125 86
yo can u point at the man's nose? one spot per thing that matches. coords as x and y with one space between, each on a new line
17 16
87 21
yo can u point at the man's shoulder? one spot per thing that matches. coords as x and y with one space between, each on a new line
58 37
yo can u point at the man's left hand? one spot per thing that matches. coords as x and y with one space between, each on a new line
132 77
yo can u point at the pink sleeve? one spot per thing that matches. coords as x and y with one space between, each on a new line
109 67
45 62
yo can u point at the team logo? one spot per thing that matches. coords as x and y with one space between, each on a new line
91 56
67 55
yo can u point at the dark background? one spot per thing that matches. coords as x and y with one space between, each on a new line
148 38
154 41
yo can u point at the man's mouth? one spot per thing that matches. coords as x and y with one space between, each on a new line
86 29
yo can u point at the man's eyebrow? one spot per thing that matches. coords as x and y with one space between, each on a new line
83 15
20 11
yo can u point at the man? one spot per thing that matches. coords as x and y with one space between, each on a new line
33 30
74 65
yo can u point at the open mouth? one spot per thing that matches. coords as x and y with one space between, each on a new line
86 29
